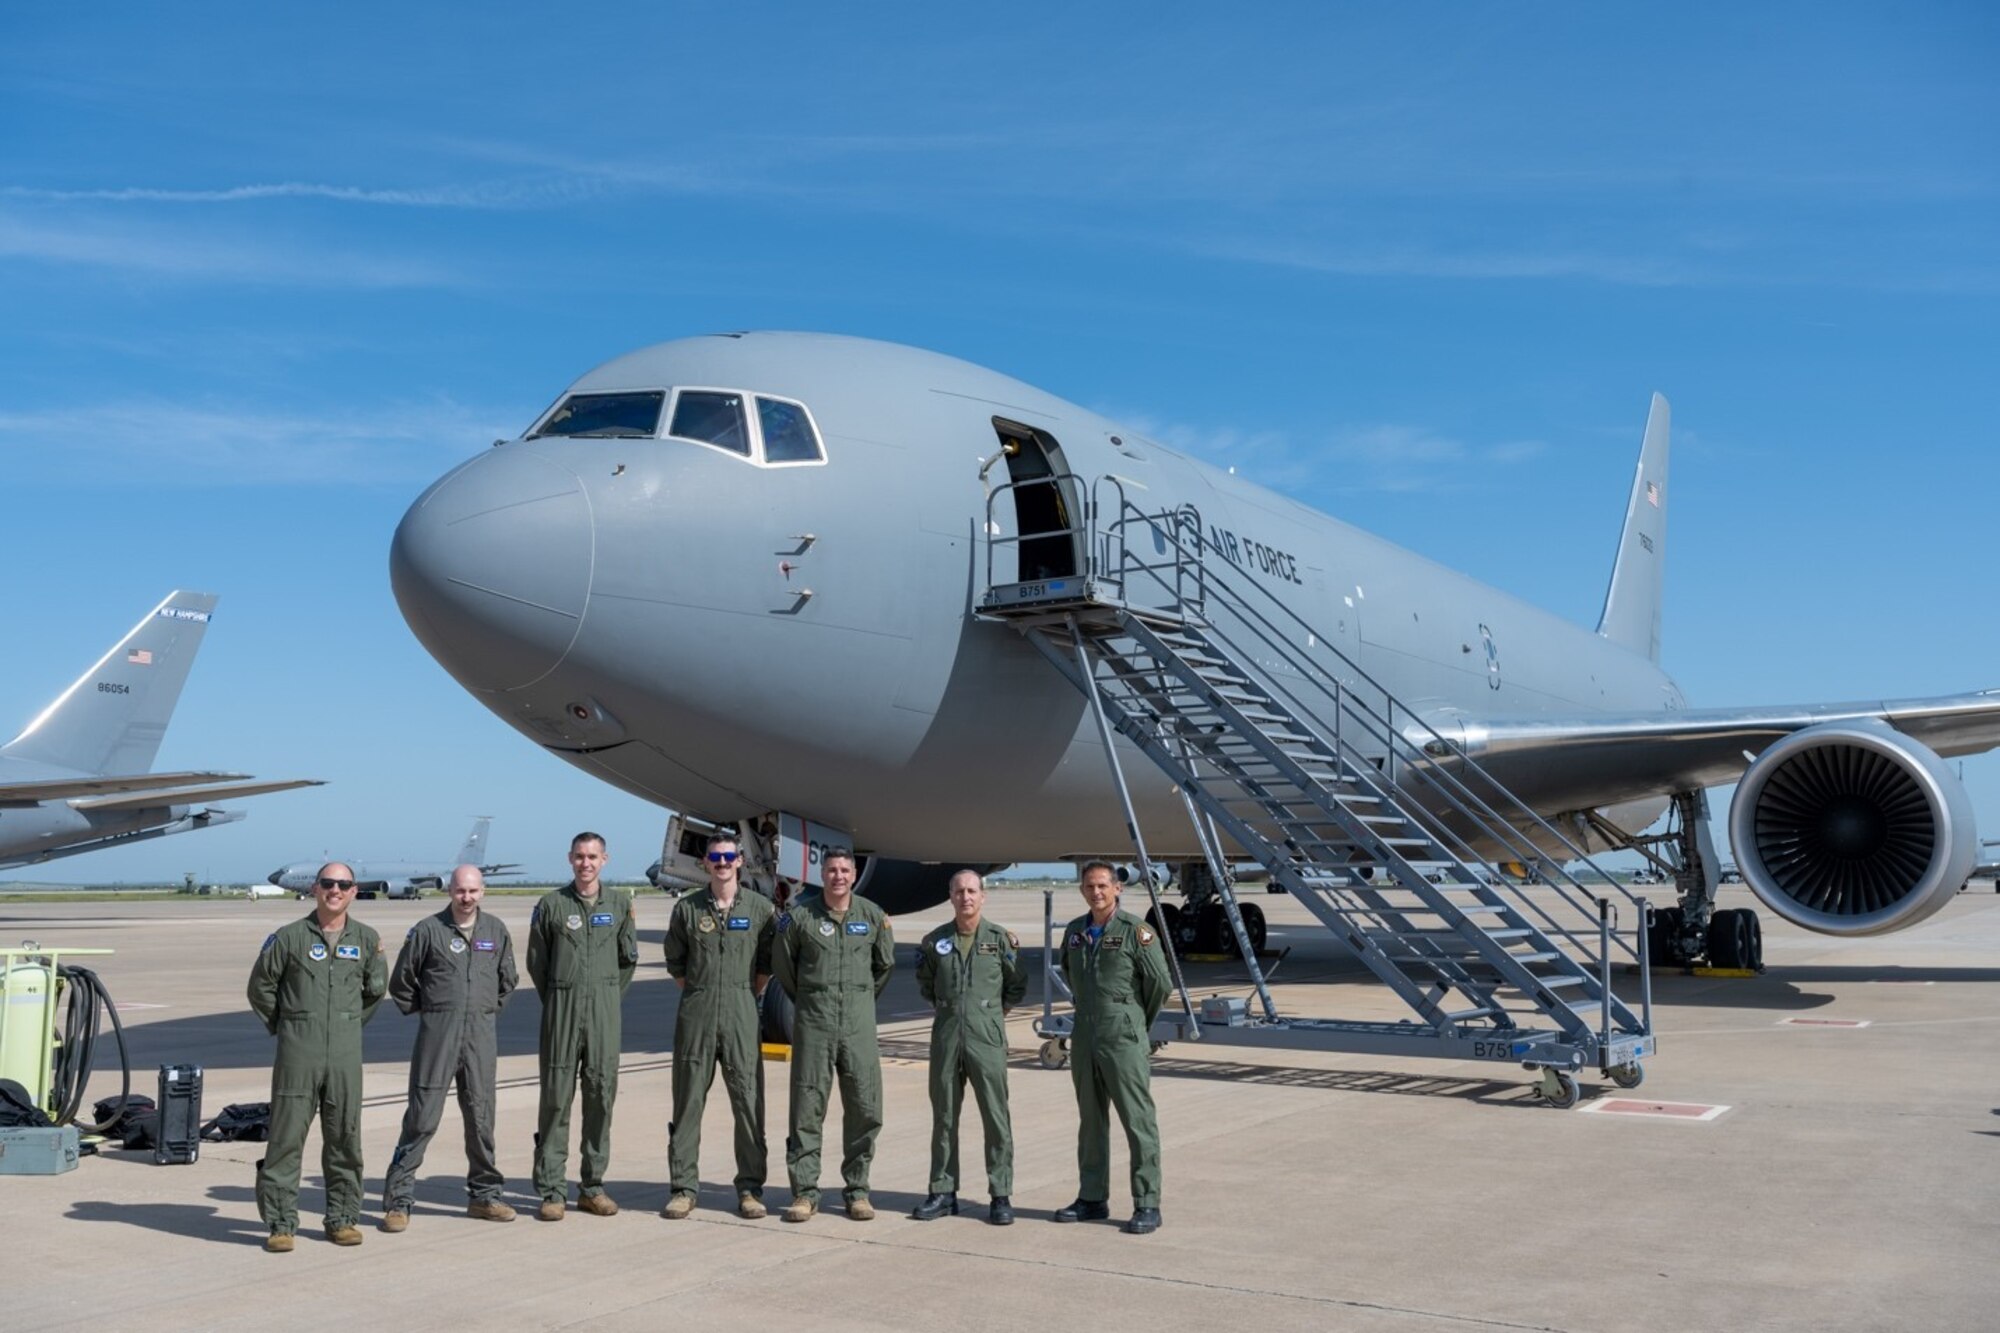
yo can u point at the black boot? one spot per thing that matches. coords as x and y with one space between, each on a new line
935 1206
1085 1210
1001 1214
1145 1221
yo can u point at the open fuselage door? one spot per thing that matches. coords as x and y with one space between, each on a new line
1042 498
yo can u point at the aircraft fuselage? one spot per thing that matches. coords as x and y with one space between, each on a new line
728 638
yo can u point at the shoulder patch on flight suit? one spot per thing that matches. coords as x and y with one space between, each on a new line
784 921
601 918
943 948
1145 935
857 927
351 952
486 946
705 924
410 934
317 953
269 940
1075 940
1013 940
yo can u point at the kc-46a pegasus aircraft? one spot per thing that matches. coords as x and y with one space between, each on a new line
909 600
77 777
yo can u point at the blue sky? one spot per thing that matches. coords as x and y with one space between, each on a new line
267 274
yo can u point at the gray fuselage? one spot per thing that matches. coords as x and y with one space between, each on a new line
639 607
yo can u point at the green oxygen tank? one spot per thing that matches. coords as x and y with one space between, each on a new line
27 1011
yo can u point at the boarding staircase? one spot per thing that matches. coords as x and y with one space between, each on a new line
1381 826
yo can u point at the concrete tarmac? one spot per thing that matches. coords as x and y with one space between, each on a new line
1851 1183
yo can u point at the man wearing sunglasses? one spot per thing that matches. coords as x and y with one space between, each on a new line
833 955
315 982
583 943
719 952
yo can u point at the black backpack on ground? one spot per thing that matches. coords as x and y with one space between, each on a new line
240 1122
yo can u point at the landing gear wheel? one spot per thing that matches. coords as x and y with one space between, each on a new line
1054 1053
1663 938
1560 1089
1253 925
1734 939
1165 920
1627 1076
1753 949
775 1016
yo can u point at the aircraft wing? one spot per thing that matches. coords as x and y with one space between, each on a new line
500 868
1605 760
189 796
62 789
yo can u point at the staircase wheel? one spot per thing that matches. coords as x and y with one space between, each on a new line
1627 1076
1253 925
1054 1053
1560 1089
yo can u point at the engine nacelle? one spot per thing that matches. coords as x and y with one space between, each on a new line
1852 828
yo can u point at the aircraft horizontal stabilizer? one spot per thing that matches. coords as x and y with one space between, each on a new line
189 796
28 793
188 823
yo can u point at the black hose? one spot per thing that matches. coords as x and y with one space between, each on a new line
76 1051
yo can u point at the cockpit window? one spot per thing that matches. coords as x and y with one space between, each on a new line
608 416
712 417
788 432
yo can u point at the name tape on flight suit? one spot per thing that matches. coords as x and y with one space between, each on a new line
485 946
352 952
600 918
857 927
739 923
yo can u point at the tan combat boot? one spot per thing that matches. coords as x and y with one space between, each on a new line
801 1210
278 1242
395 1221
860 1210
492 1210
678 1207
750 1206
550 1211
599 1204
347 1235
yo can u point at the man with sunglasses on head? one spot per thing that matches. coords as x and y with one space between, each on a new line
583 944
456 968
719 953
833 955
315 982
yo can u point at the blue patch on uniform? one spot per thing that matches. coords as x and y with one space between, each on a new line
485 946
269 940
943 947
410 934
784 920
738 923
317 953
601 918
352 952
857 927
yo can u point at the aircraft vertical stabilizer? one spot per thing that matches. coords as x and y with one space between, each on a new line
112 719
1631 616
473 853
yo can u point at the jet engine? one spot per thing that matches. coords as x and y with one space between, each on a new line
909 886
1852 828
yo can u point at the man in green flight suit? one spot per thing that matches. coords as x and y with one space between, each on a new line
1118 973
970 969
719 952
315 982
583 944
457 968
834 954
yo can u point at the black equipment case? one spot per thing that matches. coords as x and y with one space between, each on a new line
179 1138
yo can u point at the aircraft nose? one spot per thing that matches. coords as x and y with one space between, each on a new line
491 567
276 877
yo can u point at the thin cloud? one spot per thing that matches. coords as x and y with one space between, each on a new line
479 195
169 254
156 444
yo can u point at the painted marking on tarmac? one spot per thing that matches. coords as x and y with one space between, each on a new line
1824 1022
127 1006
1902 981
1700 1112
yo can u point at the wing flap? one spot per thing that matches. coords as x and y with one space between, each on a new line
189 795
62 789
1589 762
